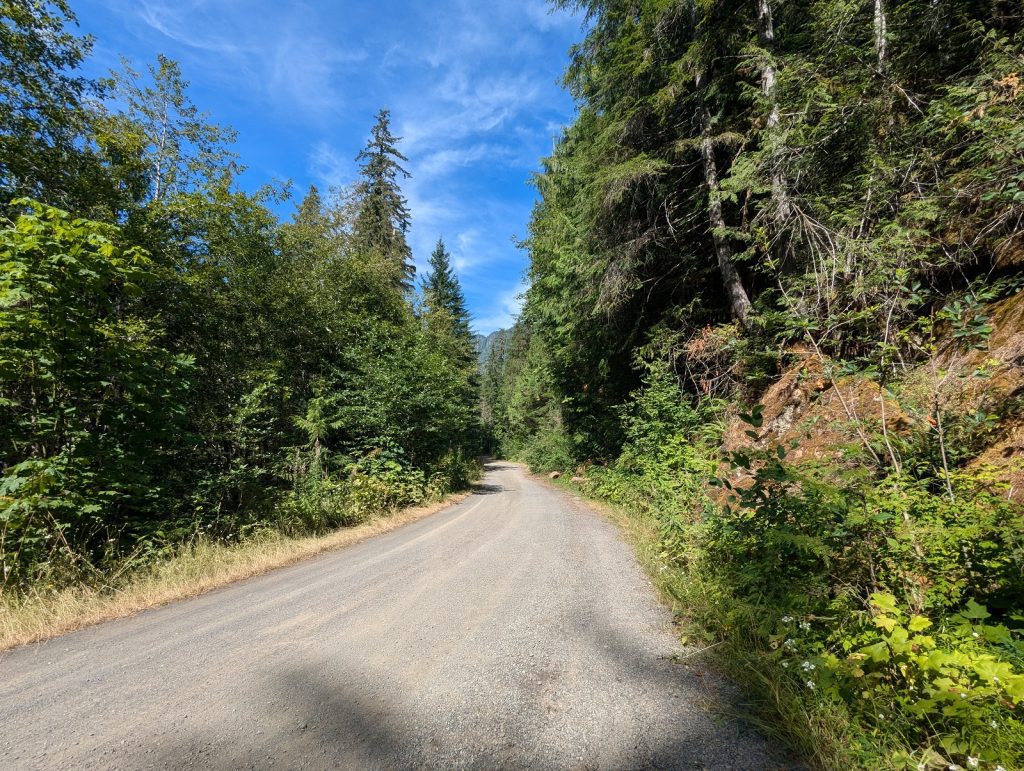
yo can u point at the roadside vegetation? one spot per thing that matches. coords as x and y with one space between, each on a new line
775 316
184 377
195 567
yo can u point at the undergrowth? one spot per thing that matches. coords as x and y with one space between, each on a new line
326 493
875 620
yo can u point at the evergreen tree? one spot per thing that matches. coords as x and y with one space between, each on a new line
382 218
201 367
446 327
311 237
442 292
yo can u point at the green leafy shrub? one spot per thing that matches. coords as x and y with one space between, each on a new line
550 449
456 470
667 453
872 594
88 393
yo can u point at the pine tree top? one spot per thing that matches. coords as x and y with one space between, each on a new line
442 291
383 219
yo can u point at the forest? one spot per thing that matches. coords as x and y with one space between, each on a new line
176 362
775 310
774 318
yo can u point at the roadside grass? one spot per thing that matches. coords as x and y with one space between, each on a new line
196 569
822 737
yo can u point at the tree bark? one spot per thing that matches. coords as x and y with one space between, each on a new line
766 31
739 301
881 36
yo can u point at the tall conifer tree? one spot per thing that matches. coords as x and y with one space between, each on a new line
310 236
382 218
442 291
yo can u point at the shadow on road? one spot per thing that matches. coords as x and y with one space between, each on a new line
596 690
330 717
485 489
330 714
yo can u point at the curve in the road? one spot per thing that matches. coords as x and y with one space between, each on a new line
514 630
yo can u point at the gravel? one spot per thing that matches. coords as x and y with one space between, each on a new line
514 630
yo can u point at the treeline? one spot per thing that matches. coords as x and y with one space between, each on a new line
175 362
773 307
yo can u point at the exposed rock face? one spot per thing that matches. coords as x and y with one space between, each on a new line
806 407
825 418
485 343
993 381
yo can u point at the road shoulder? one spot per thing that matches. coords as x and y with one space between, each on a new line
200 570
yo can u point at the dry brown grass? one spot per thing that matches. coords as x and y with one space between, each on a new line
201 568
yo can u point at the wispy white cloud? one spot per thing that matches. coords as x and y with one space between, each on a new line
329 167
544 17
502 314
466 250
167 19
463 107
306 73
472 86
281 55
441 163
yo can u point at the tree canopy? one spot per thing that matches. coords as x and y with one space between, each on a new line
178 361
762 253
382 218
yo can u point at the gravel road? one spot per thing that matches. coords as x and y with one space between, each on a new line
514 630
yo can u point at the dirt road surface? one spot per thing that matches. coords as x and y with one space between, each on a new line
514 630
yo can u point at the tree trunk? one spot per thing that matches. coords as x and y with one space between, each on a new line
161 146
881 36
739 301
780 194
766 31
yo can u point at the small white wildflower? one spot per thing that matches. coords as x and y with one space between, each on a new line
805 625
975 635
972 762
785 664
808 666
810 684
787 619
963 695
993 724
791 644
995 680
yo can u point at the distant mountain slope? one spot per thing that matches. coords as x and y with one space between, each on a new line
485 343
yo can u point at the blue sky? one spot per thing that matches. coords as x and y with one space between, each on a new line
472 86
